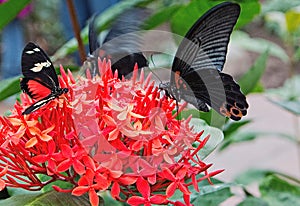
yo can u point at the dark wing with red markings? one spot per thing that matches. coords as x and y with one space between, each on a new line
196 71
39 74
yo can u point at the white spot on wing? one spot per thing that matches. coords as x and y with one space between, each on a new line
29 52
36 49
39 66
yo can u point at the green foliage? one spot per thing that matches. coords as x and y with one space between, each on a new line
251 201
108 200
47 199
10 9
275 189
212 194
9 87
279 5
258 45
287 96
278 192
183 15
252 176
249 80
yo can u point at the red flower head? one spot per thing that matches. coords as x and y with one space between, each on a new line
117 135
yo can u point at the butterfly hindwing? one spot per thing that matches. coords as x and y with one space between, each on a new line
215 89
39 104
35 88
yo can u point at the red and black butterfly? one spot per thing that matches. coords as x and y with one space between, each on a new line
197 75
40 81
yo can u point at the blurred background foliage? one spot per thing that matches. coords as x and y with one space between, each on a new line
267 29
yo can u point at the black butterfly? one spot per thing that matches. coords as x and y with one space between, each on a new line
40 81
196 71
121 45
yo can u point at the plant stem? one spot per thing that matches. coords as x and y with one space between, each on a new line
76 29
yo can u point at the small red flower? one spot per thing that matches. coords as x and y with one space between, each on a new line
146 199
86 184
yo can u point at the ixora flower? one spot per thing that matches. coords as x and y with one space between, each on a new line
106 134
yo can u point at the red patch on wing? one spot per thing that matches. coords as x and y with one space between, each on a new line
177 77
37 90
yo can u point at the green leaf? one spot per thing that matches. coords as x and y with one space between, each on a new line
108 200
59 183
10 9
287 96
279 5
252 176
238 137
251 78
249 9
52 198
243 136
211 195
216 136
251 201
102 21
160 17
9 87
212 117
259 45
232 126
187 15
278 192
291 106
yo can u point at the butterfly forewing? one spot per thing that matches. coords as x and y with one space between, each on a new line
205 44
37 65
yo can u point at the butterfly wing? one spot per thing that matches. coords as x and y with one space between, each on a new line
205 44
93 38
35 88
39 74
196 70
122 43
215 89
39 104
37 65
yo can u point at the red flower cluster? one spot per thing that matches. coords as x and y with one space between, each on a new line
116 135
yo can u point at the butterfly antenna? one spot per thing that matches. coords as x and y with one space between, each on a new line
151 57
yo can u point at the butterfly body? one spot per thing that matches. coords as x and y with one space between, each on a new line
197 75
40 81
